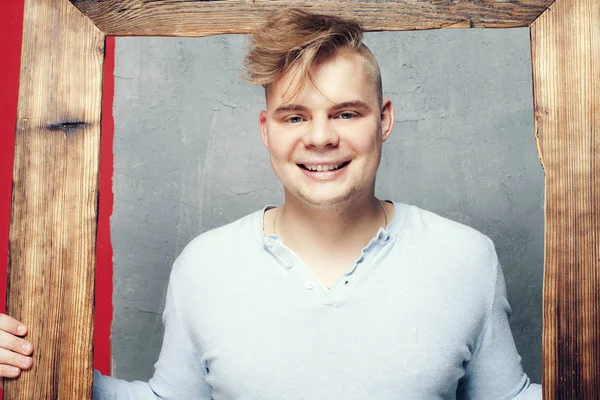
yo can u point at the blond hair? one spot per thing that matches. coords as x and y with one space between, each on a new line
296 38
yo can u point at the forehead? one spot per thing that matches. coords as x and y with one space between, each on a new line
341 78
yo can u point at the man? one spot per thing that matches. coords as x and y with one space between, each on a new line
336 294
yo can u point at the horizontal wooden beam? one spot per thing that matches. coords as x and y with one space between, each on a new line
203 18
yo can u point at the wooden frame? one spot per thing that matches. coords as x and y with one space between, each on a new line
55 178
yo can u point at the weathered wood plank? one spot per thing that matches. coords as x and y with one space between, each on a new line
204 18
566 70
55 191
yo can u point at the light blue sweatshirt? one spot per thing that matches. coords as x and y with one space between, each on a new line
422 314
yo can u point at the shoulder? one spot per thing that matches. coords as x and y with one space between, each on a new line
448 247
445 233
217 246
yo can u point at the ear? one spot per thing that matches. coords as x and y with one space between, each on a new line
262 125
387 119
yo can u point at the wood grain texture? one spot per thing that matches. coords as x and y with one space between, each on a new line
54 203
204 18
566 70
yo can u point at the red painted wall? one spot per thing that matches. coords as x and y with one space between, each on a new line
11 21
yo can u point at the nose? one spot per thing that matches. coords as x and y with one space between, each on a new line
321 134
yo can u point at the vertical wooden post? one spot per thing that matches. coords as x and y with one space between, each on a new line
54 203
566 70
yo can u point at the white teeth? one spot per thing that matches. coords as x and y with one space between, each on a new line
321 168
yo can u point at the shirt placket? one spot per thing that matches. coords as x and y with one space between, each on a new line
333 297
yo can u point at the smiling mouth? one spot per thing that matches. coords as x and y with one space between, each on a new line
324 167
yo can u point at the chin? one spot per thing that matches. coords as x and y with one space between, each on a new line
330 202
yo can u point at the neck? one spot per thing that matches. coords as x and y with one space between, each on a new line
330 227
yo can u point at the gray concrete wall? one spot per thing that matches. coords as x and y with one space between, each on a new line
188 158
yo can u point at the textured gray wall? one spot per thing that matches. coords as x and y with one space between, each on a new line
188 158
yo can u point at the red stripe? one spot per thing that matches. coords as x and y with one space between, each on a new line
11 23
104 253
11 26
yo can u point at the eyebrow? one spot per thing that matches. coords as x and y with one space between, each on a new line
289 108
351 104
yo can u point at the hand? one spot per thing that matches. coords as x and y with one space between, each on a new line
14 351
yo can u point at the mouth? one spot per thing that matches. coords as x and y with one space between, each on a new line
323 167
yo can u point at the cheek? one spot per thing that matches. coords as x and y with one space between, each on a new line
366 139
279 148
282 143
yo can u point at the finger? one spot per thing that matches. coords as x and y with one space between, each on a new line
8 371
15 344
11 325
10 358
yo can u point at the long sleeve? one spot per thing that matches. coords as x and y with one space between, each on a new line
178 373
494 371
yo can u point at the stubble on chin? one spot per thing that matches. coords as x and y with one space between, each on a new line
330 205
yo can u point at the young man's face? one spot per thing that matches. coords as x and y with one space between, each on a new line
325 143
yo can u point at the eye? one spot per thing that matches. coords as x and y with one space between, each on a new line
294 119
346 115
